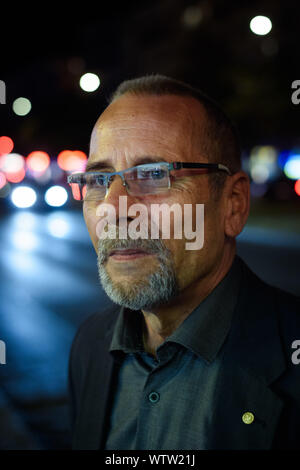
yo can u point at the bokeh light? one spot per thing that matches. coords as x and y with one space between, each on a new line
297 187
6 144
192 16
38 161
11 162
24 220
75 191
263 164
42 177
23 197
72 160
260 25
89 82
2 180
25 241
56 196
283 158
12 165
16 176
21 106
58 227
292 167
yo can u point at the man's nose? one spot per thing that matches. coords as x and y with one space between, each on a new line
115 191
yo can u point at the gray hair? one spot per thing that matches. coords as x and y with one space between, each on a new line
222 141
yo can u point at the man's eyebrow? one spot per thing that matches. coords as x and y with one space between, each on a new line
96 166
100 165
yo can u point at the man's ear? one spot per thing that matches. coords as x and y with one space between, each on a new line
237 204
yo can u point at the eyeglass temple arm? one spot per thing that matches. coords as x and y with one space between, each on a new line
217 166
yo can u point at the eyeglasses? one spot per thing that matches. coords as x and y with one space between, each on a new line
140 180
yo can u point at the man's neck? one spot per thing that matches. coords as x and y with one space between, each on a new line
164 320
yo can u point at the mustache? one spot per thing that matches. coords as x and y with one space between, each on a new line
153 246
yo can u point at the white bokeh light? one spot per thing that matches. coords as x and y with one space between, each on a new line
89 82
12 162
260 25
21 106
56 196
23 196
292 167
58 227
26 241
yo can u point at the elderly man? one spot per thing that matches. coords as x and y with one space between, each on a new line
196 353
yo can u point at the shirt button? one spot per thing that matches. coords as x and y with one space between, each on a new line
153 397
248 417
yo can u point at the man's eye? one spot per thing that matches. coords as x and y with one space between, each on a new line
155 174
94 181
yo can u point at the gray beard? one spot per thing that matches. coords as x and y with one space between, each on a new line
156 289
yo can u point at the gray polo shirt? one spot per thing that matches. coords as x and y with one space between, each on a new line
168 403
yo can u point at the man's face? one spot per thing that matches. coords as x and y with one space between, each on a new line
131 129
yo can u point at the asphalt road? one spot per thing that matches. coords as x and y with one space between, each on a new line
49 285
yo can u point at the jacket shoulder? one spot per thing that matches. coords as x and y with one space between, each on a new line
288 306
95 327
284 302
274 303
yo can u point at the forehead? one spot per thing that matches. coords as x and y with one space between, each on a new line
133 126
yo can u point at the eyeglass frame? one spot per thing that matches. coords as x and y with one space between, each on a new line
170 166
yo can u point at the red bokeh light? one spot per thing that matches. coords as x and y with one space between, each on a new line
72 160
16 177
38 161
6 145
297 187
76 191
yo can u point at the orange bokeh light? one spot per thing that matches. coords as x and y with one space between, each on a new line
16 177
72 160
6 145
38 161
297 187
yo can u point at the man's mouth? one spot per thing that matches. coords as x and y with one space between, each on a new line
127 254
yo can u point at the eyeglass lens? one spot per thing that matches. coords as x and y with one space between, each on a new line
142 180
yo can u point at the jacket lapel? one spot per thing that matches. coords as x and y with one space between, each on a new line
253 360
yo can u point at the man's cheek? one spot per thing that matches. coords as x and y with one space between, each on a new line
91 220
177 251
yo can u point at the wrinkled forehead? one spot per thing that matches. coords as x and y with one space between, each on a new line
173 121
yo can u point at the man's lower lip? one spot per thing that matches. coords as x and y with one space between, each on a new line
126 257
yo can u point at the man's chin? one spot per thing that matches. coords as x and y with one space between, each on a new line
141 289
127 301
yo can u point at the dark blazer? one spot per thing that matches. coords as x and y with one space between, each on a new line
257 375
